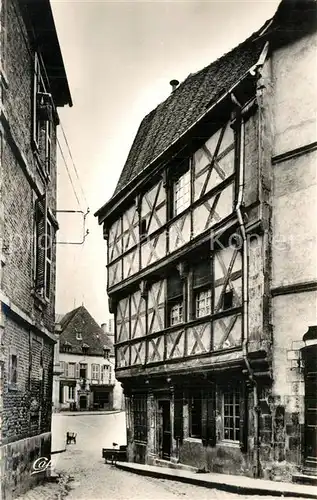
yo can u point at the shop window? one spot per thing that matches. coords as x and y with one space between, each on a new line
231 414
140 418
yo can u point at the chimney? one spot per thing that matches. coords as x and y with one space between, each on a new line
108 329
174 84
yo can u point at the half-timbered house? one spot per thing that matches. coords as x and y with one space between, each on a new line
209 273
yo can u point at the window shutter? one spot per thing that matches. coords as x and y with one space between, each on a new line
66 369
244 418
97 372
202 272
209 417
77 371
41 222
178 415
174 286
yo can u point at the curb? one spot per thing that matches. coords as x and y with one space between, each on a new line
212 483
83 413
55 452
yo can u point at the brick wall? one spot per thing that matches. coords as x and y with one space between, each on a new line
26 405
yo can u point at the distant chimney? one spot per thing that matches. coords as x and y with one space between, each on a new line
110 326
174 84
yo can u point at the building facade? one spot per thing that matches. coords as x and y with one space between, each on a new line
33 85
211 262
84 376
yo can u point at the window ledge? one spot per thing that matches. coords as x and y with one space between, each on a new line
229 444
193 440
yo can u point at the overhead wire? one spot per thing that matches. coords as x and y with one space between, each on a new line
74 165
68 173
62 128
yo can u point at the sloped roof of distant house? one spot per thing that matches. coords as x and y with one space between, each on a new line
79 323
186 105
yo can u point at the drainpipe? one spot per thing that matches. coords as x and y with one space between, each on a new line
245 259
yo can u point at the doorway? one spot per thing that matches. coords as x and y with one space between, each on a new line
310 451
83 402
164 429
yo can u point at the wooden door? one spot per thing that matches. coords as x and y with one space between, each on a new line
164 428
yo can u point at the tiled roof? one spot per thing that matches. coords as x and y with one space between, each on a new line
187 104
80 321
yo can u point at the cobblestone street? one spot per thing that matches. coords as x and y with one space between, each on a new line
92 479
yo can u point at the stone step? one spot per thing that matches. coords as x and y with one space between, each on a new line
304 478
159 462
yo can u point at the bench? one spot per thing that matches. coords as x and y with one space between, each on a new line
71 437
115 455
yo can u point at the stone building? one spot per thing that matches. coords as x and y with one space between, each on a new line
212 262
84 377
33 85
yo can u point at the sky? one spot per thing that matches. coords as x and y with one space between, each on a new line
119 58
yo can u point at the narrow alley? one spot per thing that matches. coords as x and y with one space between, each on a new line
92 479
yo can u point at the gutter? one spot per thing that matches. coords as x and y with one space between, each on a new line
245 272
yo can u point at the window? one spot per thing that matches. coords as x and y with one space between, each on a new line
62 367
78 336
71 370
140 417
83 370
13 367
71 392
143 228
195 414
181 193
228 300
203 303
231 414
48 146
175 310
106 353
95 372
42 116
176 314
202 285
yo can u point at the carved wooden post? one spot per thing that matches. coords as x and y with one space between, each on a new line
151 426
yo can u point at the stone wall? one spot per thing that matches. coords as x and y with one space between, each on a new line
16 461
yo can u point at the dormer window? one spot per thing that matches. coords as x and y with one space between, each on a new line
78 336
106 352
85 348
66 347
